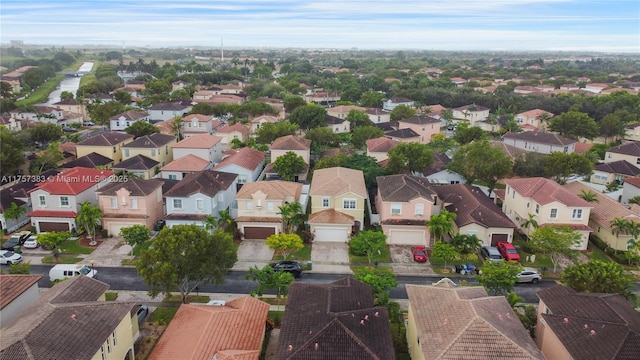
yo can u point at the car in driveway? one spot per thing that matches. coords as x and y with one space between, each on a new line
508 251
16 239
292 267
491 253
9 257
142 312
530 275
31 242
419 254
69 129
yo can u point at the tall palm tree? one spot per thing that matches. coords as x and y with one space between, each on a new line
225 220
441 224
633 228
88 218
531 222
544 119
177 126
447 115
588 196
618 226
211 223
291 216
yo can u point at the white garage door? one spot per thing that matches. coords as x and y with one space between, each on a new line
407 237
331 234
114 229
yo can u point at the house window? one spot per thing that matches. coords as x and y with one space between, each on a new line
126 152
528 204
177 204
554 213
109 345
200 204
396 209
64 201
270 205
514 195
637 161
102 355
173 177
242 179
166 150
117 123
577 214
349 204
134 203
113 335
114 202
153 152
537 209
419 209
325 202
249 205
42 200
114 149
566 149
128 123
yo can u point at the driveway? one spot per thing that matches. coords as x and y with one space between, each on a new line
330 257
253 253
403 264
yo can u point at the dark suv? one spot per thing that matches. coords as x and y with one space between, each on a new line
16 239
292 267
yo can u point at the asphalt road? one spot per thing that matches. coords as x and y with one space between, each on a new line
126 278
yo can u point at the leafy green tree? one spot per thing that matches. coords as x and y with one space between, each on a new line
135 234
100 113
371 99
357 119
308 116
555 241
322 137
45 132
20 269
368 243
465 134
409 157
481 161
528 314
466 244
47 159
360 135
292 216
402 112
53 239
177 126
267 278
635 200
66 95
159 86
447 115
225 221
381 280
633 252
498 277
559 165
211 223
141 128
530 164
444 251
292 102
575 124
441 224
285 244
184 257
11 157
289 165
611 127
271 131
595 276
88 218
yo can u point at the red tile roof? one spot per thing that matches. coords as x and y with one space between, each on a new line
73 181
545 191
381 144
235 127
246 158
330 216
633 181
52 213
291 142
186 163
201 141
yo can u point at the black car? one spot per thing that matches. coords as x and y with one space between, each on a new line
292 267
16 240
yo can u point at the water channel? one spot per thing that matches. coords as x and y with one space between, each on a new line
70 84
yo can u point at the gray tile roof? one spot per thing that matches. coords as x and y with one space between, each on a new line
420 120
92 160
404 188
632 148
106 139
622 167
152 141
405 133
138 162
540 138
137 187
472 206
208 182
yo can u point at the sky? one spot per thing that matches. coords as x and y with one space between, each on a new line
510 25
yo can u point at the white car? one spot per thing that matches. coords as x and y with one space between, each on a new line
9 257
31 242
528 274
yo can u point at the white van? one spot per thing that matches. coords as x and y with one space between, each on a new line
63 271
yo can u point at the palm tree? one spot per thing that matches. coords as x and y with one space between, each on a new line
447 115
618 226
588 196
211 223
89 217
530 223
441 224
633 228
14 212
225 220
291 216
177 126
544 119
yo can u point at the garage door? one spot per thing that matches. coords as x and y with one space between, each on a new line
53 226
407 237
258 233
114 229
496 238
331 234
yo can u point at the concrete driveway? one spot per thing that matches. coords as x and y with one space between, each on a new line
253 253
403 264
330 257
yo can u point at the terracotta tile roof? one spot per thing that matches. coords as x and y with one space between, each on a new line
582 148
136 187
344 109
275 189
540 138
74 181
202 332
264 118
421 120
166 126
622 167
472 206
535 113
511 151
186 163
131 115
92 160
381 144
634 181
151 141
169 106
606 209
52 213
197 117
12 286
200 141
590 325
632 148
330 216
545 191
239 127
404 188
334 321
106 139
337 181
246 158
207 182
291 142
138 162
499 193
261 219
405 133
464 322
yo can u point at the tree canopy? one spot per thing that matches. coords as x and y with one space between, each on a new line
498 277
481 161
575 124
289 165
141 128
555 241
368 243
308 116
595 276
284 244
409 157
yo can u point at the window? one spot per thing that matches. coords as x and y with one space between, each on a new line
325 202
114 149
109 345
128 123
200 204
537 209
114 202
349 204
126 152
396 209
566 149
177 204
42 200
64 201
173 177
102 352
113 335
249 205
117 123
153 152
242 179
270 205
419 209
528 204
577 214
554 213
134 202
166 150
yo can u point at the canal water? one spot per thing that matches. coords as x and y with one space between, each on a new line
70 84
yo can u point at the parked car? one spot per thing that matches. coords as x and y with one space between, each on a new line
508 251
69 129
419 254
142 312
31 242
529 275
292 267
159 225
451 127
491 253
16 239
88 123
9 257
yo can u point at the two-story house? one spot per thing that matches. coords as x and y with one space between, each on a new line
392 103
343 110
73 106
155 146
131 202
179 168
204 146
405 135
425 126
246 162
57 200
200 194
10 123
18 293
471 113
378 116
237 131
438 174
532 120
540 142
284 144
404 203
379 147
197 124
338 197
167 110
337 125
632 132
120 122
629 152
630 189
259 121
549 204
138 166
617 171
108 144
258 207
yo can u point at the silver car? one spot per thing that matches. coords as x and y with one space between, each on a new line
31 242
9 257
530 275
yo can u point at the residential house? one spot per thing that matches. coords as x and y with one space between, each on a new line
630 189
379 147
259 121
204 146
437 172
532 120
178 85
425 126
138 166
237 131
378 116
195 332
56 202
128 203
181 167
210 97
10 123
285 144
404 203
549 204
596 87
405 135
155 146
337 125
39 113
447 321
334 321
338 198
133 90
476 213
18 293
167 110
629 151
122 121
632 132
604 211
246 162
391 104
72 320
198 124
107 144
321 97
92 160
510 151
258 207
540 142
589 326
73 106
276 104
471 113
617 171
200 194
342 111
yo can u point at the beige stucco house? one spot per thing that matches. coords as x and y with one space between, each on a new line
236 131
530 120
425 126
471 113
155 146
298 145
629 152
107 144
204 146
379 147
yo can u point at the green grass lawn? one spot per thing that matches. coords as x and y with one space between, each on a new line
41 94
140 248
163 315
110 296
175 298
74 247
383 257
62 259
303 254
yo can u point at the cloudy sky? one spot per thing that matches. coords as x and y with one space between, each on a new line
600 25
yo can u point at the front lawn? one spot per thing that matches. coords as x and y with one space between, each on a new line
303 254
74 247
383 257
62 259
